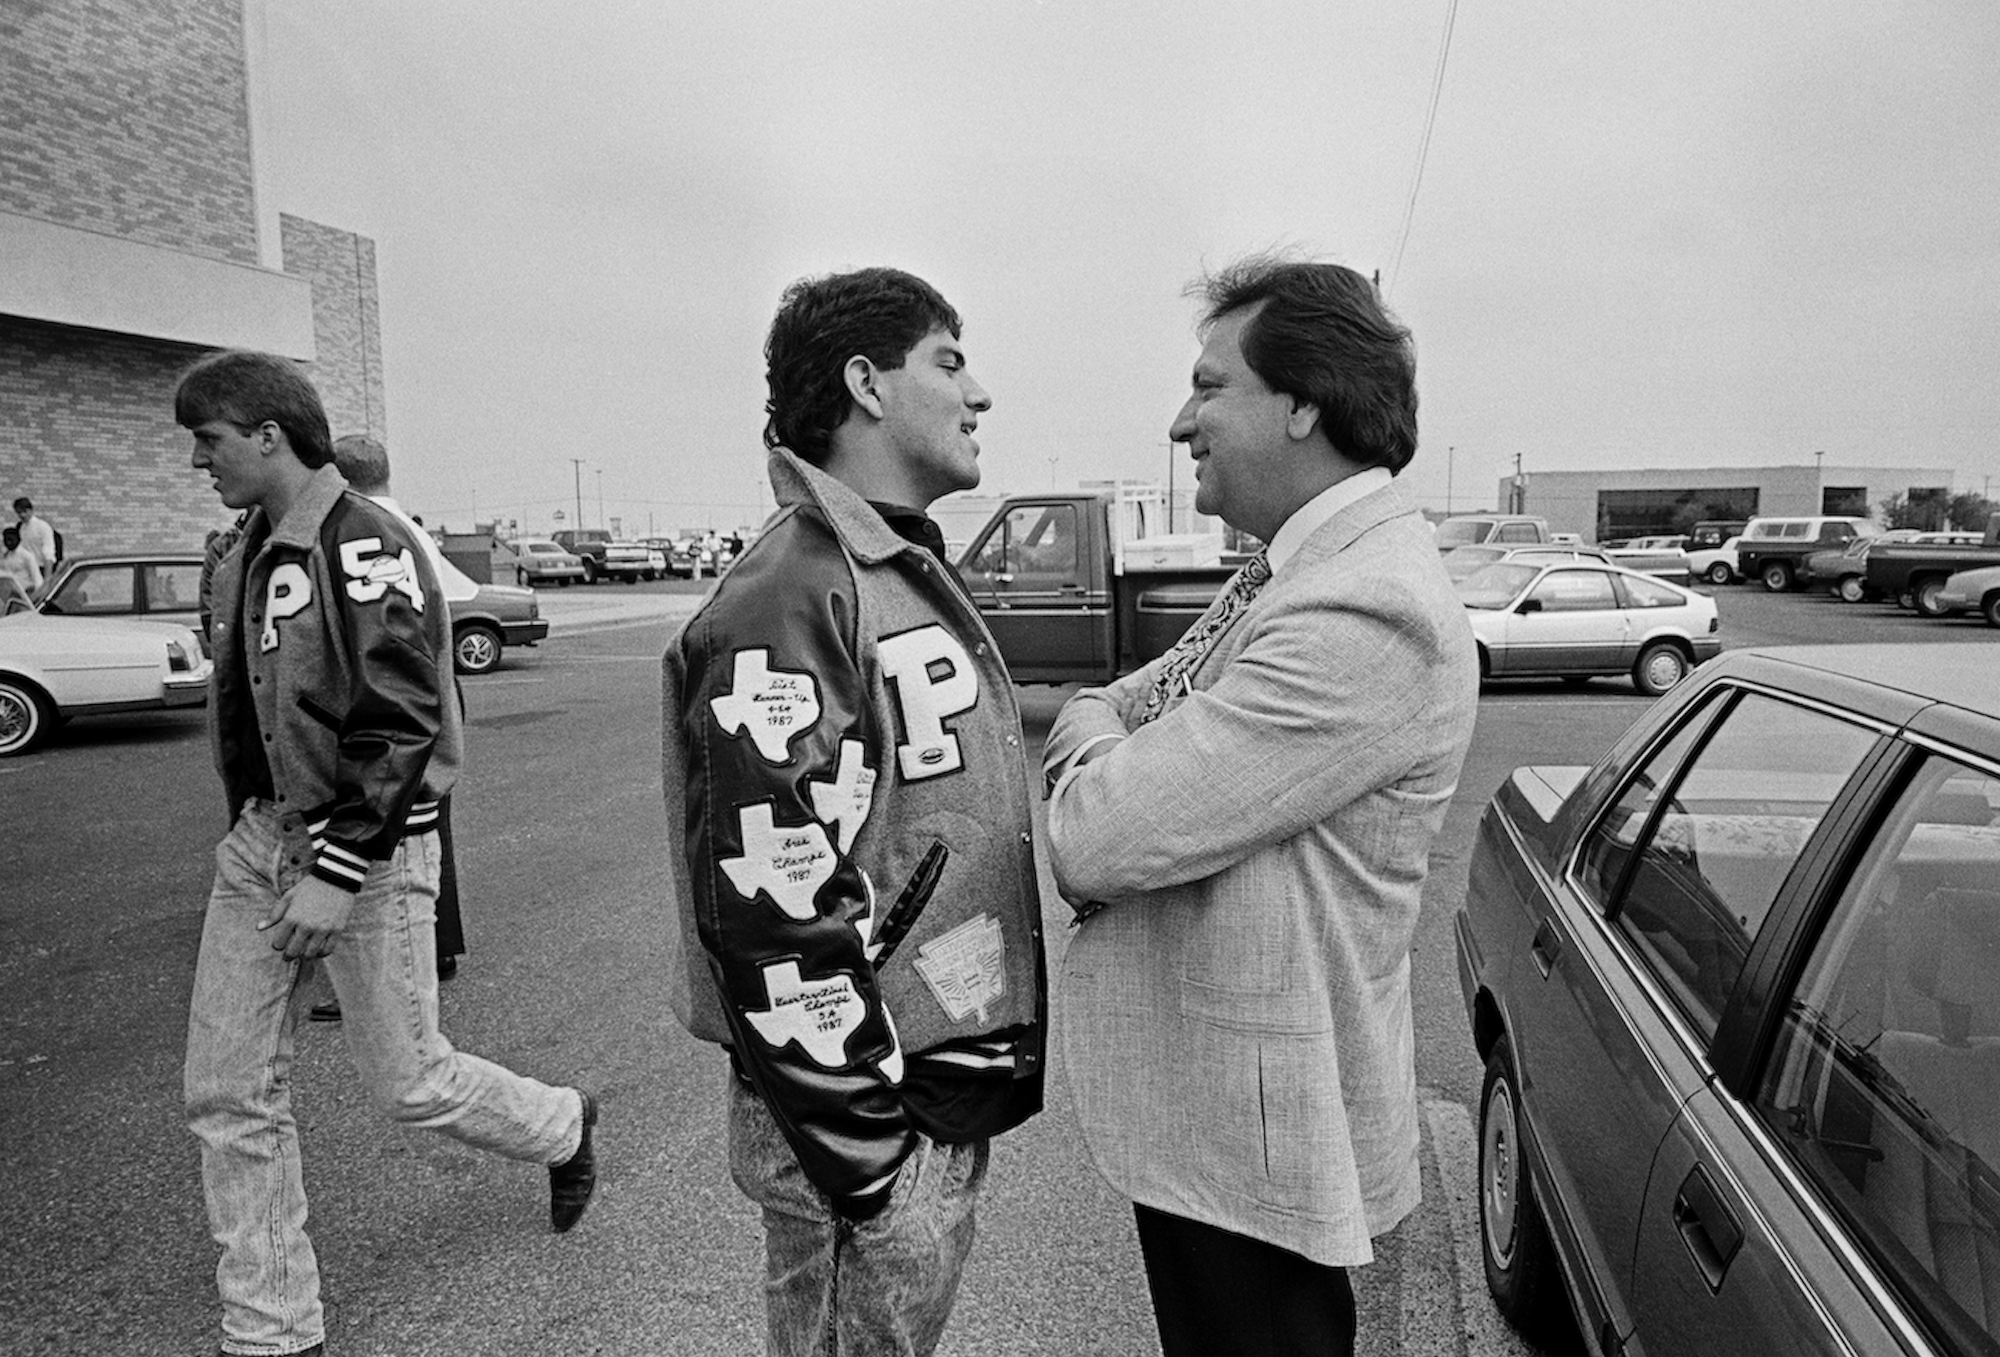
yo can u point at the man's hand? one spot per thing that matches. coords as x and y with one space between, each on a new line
307 919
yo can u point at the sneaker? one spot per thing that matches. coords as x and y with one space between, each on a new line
572 1181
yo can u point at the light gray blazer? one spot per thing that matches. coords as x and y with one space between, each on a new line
1237 1021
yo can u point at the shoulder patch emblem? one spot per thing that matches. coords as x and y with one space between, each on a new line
965 968
371 572
819 1015
770 705
788 864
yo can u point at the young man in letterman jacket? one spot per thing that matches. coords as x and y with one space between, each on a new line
858 917
336 733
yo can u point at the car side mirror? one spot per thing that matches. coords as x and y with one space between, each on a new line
1529 605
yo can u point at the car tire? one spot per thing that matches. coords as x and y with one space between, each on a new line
475 648
1659 668
1719 573
589 570
1850 589
1513 1239
1989 608
26 717
1924 597
1777 577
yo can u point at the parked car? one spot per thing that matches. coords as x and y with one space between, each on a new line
54 667
603 558
1460 562
1576 621
1771 548
1970 590
1716 564
1911 574
499 615
160 587
537 560
1710 533
1661 557
1734 991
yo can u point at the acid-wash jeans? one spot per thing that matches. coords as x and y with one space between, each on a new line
881 1287
239 1060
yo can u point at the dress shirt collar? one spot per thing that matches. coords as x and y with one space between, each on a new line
1309 517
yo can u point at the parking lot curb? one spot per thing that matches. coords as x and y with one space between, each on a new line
1455 1151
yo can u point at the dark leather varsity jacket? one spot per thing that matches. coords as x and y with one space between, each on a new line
348 622
854 877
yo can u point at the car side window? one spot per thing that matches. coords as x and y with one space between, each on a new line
1516 532
105 589
172 588
1695 883
1034 547
1571 591
1641 593
1884 1082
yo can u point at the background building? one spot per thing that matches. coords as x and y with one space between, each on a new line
1603 505
132 239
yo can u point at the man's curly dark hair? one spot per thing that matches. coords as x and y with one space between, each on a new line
877 313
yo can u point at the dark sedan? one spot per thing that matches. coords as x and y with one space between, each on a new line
1735 991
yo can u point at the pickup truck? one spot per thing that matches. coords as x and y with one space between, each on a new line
604 558
1073 591
1913 573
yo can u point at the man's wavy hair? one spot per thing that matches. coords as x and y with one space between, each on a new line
1324 336
246 389
878 313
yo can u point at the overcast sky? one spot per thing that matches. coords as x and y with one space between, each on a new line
1698 234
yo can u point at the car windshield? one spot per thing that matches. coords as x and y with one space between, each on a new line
1458 532
1460 562
1495 586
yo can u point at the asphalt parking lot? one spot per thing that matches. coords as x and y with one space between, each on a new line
104 866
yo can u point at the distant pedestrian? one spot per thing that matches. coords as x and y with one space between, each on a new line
38 535
336 734
18 562
218 543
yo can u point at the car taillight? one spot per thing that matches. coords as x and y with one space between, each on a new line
181 658
1715 623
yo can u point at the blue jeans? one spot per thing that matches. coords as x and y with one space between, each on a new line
239 1060
874 1288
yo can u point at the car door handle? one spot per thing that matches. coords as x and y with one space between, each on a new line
1708 1228
1546 947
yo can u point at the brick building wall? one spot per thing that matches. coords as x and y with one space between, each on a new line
347 322
130 117
89 435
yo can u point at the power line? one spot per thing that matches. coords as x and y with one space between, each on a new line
1424 147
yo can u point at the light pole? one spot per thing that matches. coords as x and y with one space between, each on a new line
1052 473
600 497
1449 457
576 465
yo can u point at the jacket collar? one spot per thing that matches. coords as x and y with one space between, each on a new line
1371 510
309 510
860 529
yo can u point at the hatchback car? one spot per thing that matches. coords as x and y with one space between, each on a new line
1716 564
1574 621
54 667
1460 562
1734 988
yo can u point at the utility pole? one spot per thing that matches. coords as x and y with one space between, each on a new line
1449 452
600 497
576 465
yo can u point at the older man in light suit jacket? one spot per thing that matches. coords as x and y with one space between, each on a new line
1246 824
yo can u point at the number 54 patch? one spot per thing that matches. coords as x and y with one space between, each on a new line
372 572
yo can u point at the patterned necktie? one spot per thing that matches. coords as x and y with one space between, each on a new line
1180 662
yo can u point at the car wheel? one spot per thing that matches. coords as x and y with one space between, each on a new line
1660 666
1718 573
1849 588
25 717
589 570
1777 577
476 648
1989 608
1924 596
1514 1241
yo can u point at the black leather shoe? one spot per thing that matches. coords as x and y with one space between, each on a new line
572 1181
447 967
327 1012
